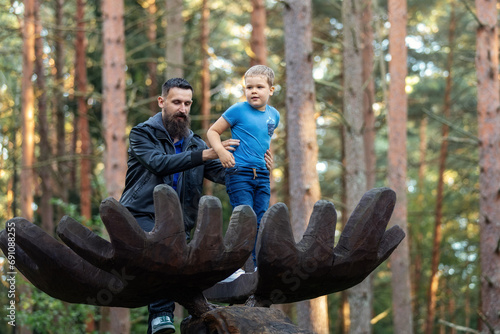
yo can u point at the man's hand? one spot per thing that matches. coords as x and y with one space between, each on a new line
210 154
228 144
269 160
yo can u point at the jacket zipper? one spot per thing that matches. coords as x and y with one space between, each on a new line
181 178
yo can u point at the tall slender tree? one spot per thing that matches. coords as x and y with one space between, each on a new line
28 111
397 165
205 79
45 170
360 297
58 102
443 153
151 10
174 36
367 38
114 101
114 115
488 104
205 69
27 124
258 42
302 146
83 122
416 240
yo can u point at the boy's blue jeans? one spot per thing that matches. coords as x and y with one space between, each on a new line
247 186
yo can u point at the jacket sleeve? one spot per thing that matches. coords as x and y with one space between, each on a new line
215 172
153 157
213 169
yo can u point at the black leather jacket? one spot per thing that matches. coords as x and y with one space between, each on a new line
152 161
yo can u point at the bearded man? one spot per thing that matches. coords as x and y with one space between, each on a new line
164 150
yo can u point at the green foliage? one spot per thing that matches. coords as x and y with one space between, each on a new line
46 311
44 314
72 210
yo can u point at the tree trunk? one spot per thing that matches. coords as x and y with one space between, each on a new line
488 105
62 165
367 39
205 71
174 36
27 127
151 33
205 81
114 101
45 170
360 297
416 239
467 306
369 93
302 145
414 231
115 320
114 120
258 38
397 165
452 310
11 203
345 318
443 153
442 315
83 122
28 111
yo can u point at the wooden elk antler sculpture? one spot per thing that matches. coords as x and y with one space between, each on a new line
135 267
313 267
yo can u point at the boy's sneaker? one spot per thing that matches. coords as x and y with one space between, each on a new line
233 276
162 325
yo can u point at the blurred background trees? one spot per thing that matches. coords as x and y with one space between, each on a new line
59 118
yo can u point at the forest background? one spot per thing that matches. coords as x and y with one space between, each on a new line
55 92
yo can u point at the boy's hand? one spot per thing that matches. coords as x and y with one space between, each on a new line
227 159
269 160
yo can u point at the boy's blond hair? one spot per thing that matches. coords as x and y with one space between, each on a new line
261 70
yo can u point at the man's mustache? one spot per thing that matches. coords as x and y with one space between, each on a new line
179 114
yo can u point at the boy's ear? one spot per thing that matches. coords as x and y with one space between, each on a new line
271 90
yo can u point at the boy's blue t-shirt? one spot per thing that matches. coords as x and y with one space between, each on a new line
254 129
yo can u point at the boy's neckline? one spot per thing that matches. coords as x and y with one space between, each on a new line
256 108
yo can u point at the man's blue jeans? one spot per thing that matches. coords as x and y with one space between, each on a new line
247 186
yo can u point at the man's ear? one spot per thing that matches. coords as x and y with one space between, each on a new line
161 101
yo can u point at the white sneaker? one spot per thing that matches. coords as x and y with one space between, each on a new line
233 276
162 325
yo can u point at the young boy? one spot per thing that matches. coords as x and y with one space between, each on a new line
252 122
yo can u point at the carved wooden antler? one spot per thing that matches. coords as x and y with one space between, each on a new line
290 271
313 267
136 268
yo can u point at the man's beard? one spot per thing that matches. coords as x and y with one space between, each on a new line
178 127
